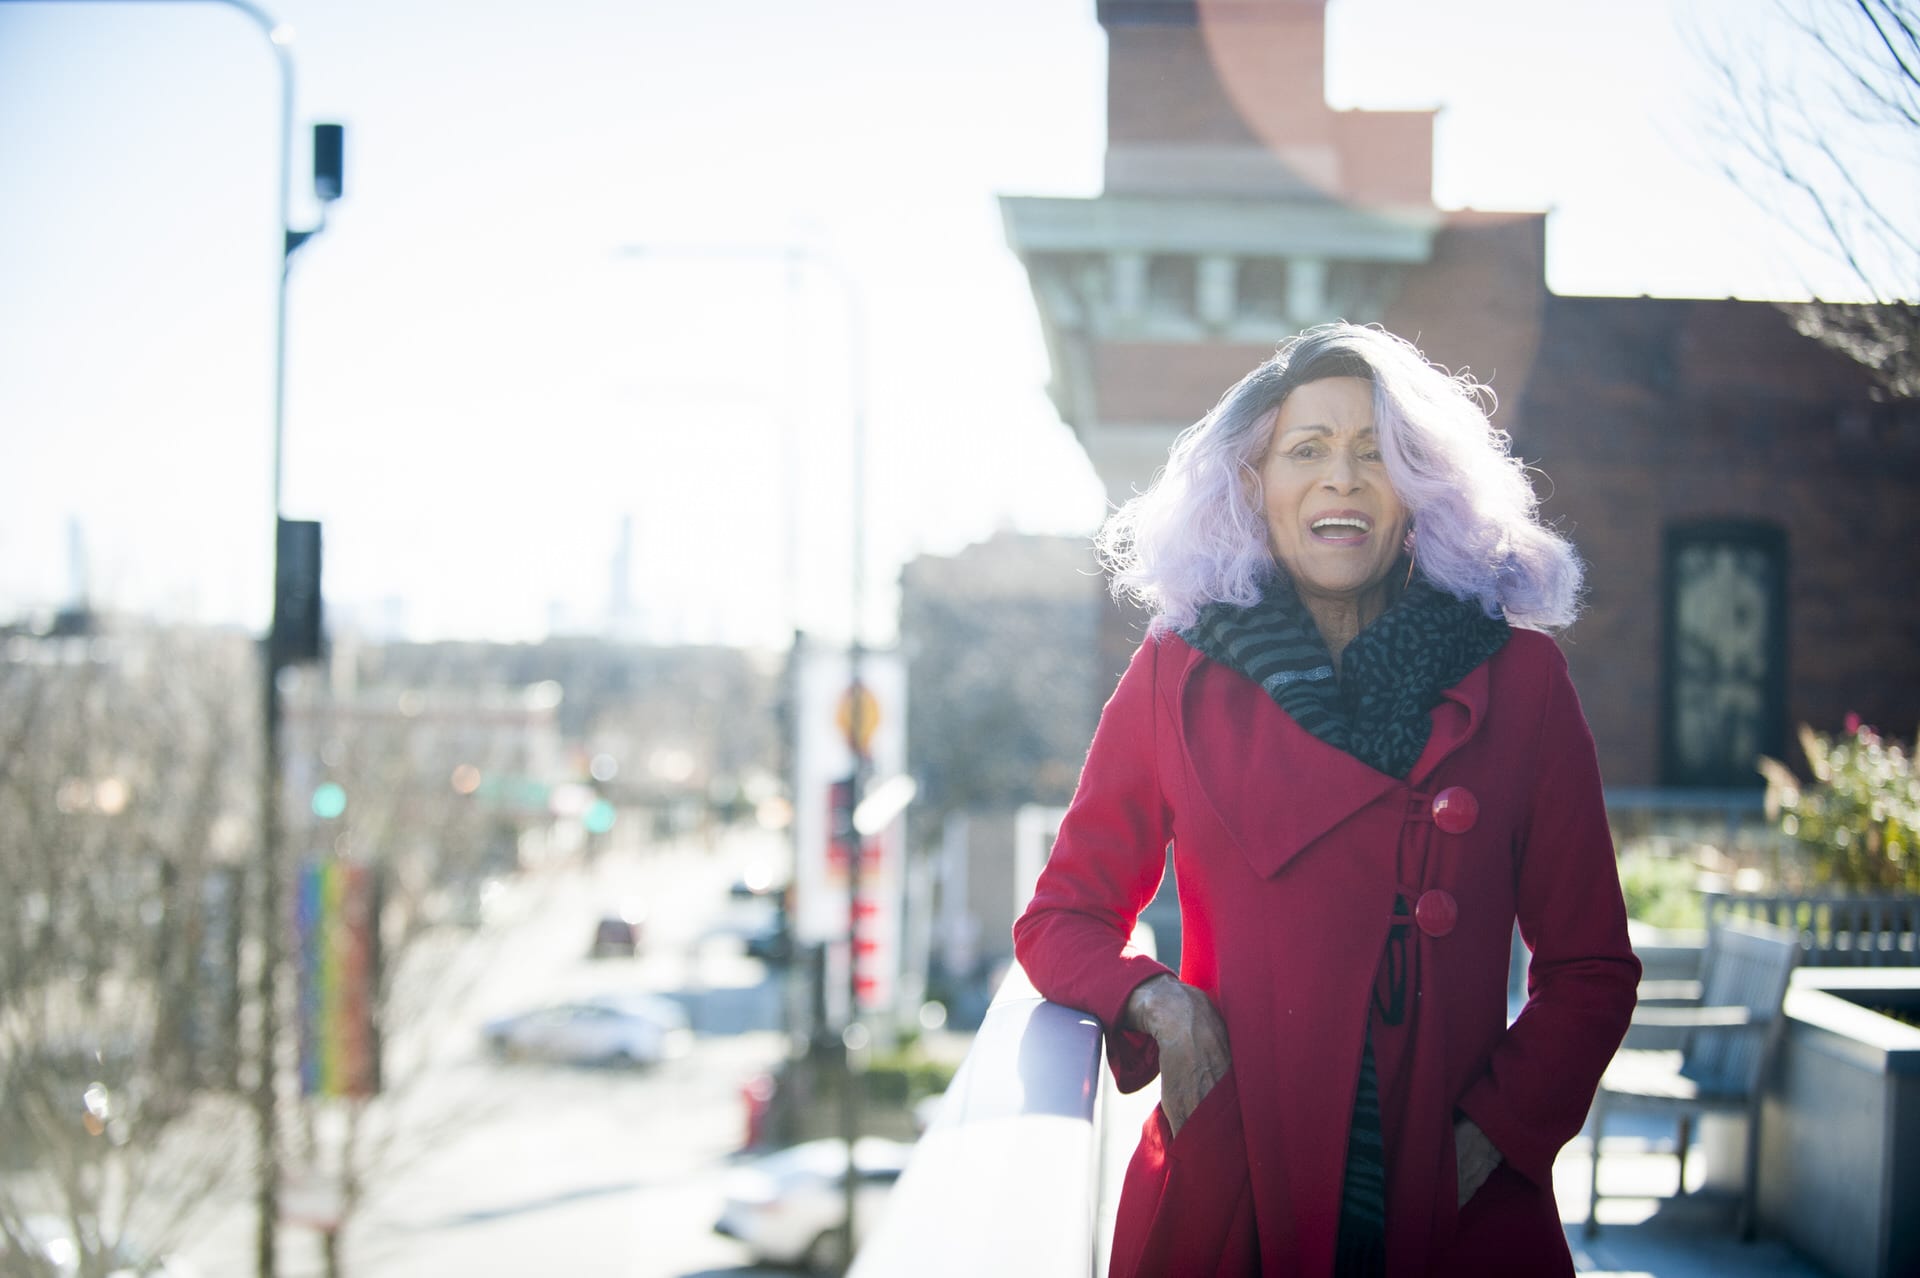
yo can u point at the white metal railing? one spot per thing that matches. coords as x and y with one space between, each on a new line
1019 1172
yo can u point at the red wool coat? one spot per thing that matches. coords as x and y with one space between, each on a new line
1288 854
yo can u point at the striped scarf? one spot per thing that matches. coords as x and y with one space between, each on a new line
1391 676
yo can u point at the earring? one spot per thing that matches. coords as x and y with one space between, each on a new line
1407 546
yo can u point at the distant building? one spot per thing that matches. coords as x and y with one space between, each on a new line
1748 502
444 783
1239 209
1002 699
712 703
622 616
675 738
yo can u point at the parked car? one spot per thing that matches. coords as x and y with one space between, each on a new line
618 935
757 913
769 939
789 1207
51 1249
630 1029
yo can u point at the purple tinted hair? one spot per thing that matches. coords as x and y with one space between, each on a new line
1198 534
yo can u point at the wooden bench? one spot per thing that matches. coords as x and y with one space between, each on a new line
1729 1038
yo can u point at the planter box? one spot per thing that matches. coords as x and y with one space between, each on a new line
1840 1127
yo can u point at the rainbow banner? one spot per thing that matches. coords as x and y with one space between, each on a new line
337 922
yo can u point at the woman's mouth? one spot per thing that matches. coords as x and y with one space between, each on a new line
1341 528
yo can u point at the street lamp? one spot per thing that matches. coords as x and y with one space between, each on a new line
296 561
294 636
797 257
857 730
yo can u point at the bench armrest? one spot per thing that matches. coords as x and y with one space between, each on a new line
1693 1017
1669 991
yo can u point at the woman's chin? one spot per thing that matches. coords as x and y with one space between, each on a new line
1353 583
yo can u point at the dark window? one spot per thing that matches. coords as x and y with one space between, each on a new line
1170 287
1262 288
1360 291
1725 658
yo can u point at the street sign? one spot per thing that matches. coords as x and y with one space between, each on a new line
868 723
825 832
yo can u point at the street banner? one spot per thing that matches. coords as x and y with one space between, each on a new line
827 714
337 923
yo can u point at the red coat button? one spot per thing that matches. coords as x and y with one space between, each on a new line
1436 912
1455 809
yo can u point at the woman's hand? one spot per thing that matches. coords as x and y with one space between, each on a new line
1192 1040
1474 1157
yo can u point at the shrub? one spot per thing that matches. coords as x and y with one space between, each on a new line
905 1076
1661 891
1858 823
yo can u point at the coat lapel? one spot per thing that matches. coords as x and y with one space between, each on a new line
1460 714
1273 786
1276 788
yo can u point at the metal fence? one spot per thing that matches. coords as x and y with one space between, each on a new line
1836 930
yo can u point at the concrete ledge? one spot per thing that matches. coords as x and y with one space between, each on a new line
1199 224
1829 1002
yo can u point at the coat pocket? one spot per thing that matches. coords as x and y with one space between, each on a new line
1214 1119
1186 1207
1510 1228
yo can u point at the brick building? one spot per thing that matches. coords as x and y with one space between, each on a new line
1746 500
1749 512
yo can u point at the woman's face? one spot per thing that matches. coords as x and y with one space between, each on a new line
1335 522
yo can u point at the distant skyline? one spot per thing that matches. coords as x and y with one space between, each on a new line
484 381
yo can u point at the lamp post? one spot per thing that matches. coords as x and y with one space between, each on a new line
272 918
294 635
795 256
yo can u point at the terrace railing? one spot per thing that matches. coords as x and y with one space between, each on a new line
1018 1174
1837 929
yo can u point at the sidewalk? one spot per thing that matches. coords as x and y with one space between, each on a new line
1658 1236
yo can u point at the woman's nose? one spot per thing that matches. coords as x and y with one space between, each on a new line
1343 472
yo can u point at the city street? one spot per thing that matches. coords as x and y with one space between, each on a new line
597 1172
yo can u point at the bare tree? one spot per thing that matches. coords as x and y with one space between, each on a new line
1825 134
415 767
127 787
124 805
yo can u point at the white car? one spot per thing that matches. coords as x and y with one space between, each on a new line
789 1207
626 1029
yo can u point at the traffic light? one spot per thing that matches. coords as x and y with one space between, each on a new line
599 817
329 800
329 161
297 629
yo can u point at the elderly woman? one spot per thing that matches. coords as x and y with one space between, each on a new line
1369 761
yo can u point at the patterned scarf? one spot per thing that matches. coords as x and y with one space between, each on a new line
1391 675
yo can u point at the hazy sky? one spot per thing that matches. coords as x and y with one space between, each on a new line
482 383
